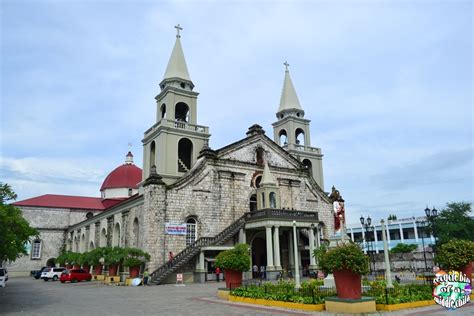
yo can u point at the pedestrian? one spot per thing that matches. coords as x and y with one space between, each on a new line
145 277
170 256
262 273
255 271
218 272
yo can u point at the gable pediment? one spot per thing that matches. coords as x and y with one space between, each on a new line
245 151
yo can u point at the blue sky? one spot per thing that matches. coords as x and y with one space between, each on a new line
387 86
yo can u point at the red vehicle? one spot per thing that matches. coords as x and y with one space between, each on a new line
75 275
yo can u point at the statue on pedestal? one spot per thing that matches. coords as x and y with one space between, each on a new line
339 211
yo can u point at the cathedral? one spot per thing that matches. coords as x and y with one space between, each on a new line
194 201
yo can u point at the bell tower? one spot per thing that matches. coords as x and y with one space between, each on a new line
292 132
173 143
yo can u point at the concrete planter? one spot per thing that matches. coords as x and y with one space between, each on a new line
348 284
134 271
233 278
113 269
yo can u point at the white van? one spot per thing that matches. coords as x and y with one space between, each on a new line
3 277
52 273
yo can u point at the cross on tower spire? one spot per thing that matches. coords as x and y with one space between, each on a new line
178 28
286 65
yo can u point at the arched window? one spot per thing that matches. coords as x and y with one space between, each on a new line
103 238
83 243
259 156
152 154
130 192
253 203
263 200
116 236
91 246
283 138
185 154
299 136
308 166
36 249
191 231
181 112
272 200
163 111
135 232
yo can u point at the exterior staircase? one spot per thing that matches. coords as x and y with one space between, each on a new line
182 166
192 250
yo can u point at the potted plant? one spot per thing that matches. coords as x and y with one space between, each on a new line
234 261
456 254
134 259
348 263
63 258
95 257
112 258
83 260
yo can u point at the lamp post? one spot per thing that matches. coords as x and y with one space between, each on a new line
423 241
366 225
431 216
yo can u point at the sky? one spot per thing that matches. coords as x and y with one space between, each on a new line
387 86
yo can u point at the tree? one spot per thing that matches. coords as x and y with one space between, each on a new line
15 231
454 222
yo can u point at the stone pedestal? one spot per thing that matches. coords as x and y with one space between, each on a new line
359 306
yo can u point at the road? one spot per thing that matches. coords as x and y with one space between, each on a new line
27 296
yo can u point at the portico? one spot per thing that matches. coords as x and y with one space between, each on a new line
278 227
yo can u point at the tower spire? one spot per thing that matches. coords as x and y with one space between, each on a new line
289 99
177 67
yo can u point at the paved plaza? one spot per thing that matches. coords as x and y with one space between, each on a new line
27 296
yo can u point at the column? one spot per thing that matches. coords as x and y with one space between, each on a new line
295 249
352 234
312 261
401 232
415 229
200 272
242 239
276 248
269 248
316 235
291 258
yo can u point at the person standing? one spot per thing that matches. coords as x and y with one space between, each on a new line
146 275
262 273
218 272
255 271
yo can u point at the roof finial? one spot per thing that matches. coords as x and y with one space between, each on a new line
178 28
286 65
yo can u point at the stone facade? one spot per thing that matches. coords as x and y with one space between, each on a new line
51 224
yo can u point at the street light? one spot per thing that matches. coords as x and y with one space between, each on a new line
366 224
431 216
423 241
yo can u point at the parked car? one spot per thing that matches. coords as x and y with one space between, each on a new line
3 277
52 273
75 275
37 274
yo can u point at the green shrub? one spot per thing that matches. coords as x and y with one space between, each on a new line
135 257
113 255
237 258
344 256
403 248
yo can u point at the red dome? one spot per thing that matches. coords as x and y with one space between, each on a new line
124 176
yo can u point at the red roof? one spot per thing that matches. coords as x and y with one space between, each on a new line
124 176
69 201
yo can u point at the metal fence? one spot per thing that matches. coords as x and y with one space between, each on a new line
315 294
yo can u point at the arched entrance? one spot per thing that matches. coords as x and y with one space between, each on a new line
51 262
259 252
